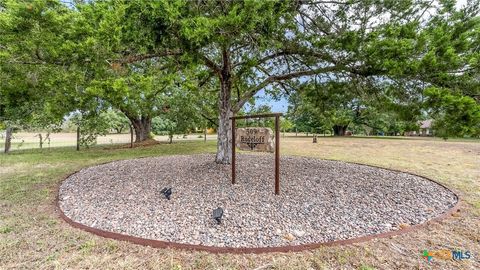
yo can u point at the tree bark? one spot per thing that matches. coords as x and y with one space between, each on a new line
224 148
339 130
142 126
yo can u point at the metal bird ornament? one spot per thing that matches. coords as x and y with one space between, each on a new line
167 192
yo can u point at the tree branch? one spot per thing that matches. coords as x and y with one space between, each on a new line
324 57
204 81
37 63
209 119
275 78
346 2
209 63
137 58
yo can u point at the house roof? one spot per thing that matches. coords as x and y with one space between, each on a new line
426 123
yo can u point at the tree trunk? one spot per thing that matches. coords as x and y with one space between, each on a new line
224 147
339 130
48 138
142 126
131 136
8 139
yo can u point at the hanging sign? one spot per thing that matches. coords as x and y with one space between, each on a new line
255 139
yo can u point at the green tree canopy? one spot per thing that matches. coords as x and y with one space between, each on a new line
130 55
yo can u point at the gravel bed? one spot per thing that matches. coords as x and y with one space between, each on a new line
320 200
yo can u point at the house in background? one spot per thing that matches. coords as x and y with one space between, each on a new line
425 129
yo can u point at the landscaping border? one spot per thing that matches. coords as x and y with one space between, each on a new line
257 250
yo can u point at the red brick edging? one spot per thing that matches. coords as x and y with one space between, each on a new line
256 250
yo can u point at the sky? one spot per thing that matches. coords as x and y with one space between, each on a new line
263 99
277 106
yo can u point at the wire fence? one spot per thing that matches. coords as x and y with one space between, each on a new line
31 140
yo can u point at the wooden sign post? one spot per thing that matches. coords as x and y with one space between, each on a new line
78 138
257 139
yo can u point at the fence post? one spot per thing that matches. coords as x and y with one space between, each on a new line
41 140
8 139
78 138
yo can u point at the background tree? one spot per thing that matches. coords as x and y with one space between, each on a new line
37 83
183 115
140 97
454 114
389 50
116 120
135 86
253 109
338 106
285 125
91 126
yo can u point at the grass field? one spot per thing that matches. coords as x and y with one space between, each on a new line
30 140
33 237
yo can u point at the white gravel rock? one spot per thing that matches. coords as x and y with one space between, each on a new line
298 233
319 201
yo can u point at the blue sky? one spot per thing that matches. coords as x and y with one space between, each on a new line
262 98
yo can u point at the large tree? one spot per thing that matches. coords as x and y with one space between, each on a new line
338 106
243 47
140 93
391 49
37 79
64 58
138 87
251 45
232 43
454 114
